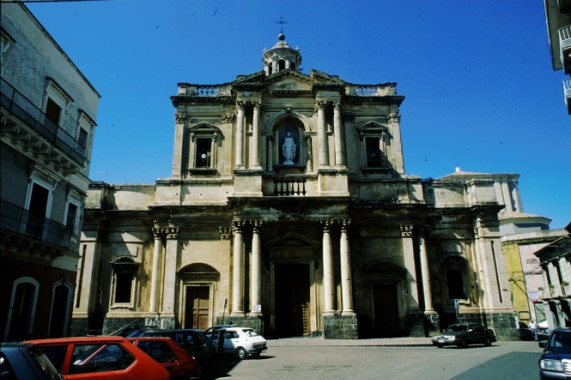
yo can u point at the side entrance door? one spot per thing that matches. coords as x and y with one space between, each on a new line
197 307
386 310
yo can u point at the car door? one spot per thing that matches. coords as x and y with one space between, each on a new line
231 341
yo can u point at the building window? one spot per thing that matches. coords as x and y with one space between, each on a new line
373 145
124 280
71 220
203 152
455 269
82 138
203 148
22 310
53 111
374 140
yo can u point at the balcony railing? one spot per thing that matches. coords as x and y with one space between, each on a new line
20 221
565 36
19 106
289 187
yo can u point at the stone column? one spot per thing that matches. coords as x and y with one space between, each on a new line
256 136
213 151
169 286
327 270
322 135
256 286
410 265
346 276
308 144
425 270
270 154
339 137
238 272
240 137
157 235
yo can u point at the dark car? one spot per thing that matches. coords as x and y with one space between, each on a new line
555 361
192 340
463 334
25 361
524 333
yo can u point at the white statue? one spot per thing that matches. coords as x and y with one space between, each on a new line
288 150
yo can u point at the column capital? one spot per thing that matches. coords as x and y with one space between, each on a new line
225 232
171 232
241 104
345 223
157 232
320 104
406 230
256 225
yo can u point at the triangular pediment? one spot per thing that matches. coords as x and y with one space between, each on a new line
373 126
289 83
292 239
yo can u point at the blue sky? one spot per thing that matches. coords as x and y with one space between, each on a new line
480 90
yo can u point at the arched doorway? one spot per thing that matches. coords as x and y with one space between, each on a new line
197 283
60 309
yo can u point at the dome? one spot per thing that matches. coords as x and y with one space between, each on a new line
281 57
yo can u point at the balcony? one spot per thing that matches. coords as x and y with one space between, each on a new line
567 94
48 139
21 222
565 46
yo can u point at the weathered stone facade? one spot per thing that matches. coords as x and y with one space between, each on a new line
288 209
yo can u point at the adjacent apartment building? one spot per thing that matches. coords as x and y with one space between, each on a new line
288 209
558 18
47 122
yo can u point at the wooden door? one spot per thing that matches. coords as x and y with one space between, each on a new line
197 307
386 310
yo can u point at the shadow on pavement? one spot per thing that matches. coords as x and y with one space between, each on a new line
515 365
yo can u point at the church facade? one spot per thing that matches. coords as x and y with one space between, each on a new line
288 209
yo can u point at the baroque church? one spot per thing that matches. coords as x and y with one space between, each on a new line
288 209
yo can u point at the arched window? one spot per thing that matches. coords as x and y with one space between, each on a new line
281 65
22 310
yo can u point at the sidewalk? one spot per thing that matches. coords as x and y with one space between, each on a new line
380 342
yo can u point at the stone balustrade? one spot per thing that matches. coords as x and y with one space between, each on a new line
371 90
289 187
185 89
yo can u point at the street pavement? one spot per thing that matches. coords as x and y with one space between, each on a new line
376 342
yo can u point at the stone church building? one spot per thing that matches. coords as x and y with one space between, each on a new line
288 209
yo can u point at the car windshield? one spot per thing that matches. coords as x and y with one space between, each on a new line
456 328
249 332
560 342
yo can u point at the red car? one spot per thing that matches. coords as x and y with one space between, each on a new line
179 363
101 357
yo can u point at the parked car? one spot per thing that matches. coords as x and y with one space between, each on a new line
104 357
524 333
25 361
463 334
180 364
209 332
192 340
241 341
554 361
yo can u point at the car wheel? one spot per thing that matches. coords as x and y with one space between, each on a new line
440 345
488 342
463 343
241 353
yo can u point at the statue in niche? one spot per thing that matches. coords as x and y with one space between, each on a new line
289 150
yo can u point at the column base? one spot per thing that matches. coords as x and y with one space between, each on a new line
422 324
340 327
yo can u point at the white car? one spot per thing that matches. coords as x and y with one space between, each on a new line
241 341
